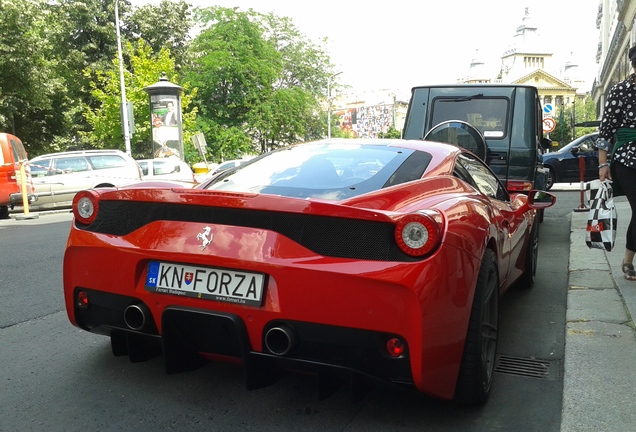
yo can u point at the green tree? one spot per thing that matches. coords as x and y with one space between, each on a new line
567 117
299 89
391 133
259 74
234 69
32 95
146 68
84 38
306 65
166 25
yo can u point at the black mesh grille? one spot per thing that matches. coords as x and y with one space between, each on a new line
324 235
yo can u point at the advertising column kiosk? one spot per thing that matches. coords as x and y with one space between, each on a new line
165 117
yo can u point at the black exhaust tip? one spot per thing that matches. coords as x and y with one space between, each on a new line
137 316
281 339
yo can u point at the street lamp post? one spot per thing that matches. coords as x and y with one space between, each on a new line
123 109
329 103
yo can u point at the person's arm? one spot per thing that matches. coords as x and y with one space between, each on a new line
612 118
603 166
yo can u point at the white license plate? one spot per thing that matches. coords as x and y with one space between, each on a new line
211 283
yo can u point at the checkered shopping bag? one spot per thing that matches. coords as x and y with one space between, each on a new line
600 232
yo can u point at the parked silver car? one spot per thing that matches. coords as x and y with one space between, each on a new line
57 177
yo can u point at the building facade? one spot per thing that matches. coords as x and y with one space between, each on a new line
527 61
617 33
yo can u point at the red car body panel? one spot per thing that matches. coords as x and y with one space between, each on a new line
427 302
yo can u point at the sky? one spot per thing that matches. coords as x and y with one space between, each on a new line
396 46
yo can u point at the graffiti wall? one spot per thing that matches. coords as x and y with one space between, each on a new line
367 121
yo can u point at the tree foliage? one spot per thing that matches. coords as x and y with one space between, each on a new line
84 38
251 81
167 25
235 68
566 117
391 133
258 73
31 92
146 69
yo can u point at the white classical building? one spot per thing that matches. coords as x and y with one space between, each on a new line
527 60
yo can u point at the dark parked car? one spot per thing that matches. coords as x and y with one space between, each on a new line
563 164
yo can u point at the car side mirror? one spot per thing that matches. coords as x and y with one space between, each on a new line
538 200
575 150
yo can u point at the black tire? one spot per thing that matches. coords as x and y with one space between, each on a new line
4 212
526 281
549 182
478 361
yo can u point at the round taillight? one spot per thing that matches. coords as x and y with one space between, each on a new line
417 234
85 206
395 347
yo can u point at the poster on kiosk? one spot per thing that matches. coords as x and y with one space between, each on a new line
166 130
165 116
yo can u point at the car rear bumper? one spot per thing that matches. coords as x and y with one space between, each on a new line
191 337
341 312
16 199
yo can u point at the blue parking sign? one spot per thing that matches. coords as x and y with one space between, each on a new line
547 109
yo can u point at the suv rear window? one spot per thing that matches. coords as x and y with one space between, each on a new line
488 115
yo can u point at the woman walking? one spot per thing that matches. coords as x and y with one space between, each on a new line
617 153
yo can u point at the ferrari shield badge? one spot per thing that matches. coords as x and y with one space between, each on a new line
205 237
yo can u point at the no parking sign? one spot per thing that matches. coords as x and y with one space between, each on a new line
548 124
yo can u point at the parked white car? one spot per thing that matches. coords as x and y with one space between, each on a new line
171 168
57 177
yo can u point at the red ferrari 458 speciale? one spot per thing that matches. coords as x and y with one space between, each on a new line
360 261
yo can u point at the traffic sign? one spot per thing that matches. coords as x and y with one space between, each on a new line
547 110
548 124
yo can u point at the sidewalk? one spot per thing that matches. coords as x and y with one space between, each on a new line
599 388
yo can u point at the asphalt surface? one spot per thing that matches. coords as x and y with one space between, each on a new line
599 388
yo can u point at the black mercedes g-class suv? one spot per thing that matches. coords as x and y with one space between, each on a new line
509 118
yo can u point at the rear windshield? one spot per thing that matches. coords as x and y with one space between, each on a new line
488 115
107 161
325 171
169 166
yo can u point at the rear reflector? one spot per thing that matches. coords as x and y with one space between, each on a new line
82 299
395 347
